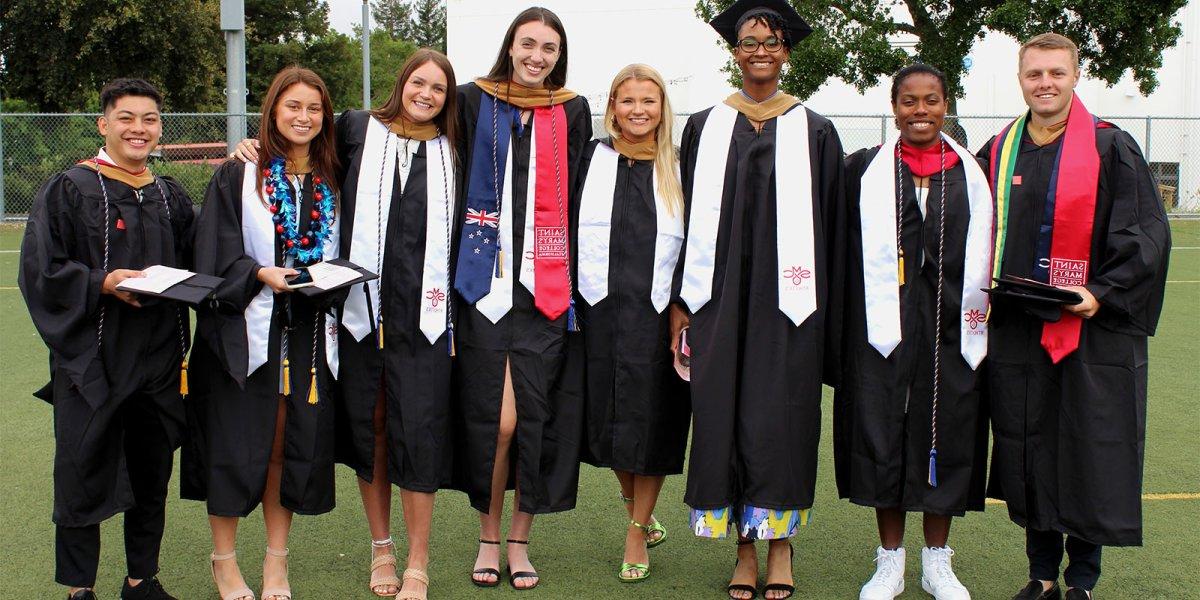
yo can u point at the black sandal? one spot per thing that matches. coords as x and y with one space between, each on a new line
741 587
513 577
486 571
782 587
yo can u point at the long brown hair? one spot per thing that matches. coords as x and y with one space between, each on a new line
503 69
393 107
322 153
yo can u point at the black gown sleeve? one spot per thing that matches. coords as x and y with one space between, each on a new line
61 291
688 146
183 221
831 169
1130 276
219 249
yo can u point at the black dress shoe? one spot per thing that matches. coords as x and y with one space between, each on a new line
148 589
1078 594
82 595
1033 591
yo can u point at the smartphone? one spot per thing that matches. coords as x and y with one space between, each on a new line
683 356
301 279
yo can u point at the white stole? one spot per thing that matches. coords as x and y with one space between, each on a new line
795 249
595 233
258 242
498 300
879 253
435 276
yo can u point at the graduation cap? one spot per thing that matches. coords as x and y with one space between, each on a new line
727 22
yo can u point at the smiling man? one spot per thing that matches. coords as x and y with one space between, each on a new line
1077 208
114 357
762 178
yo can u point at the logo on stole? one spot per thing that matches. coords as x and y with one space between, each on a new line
434 296
974 318
550 243
1065 271
797 274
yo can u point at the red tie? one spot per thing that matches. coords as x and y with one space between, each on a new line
552 288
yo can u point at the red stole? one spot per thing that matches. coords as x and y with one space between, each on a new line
552 287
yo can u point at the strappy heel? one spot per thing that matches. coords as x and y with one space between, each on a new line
653 527
274 593
783 587
487 571
741 587
243 592
643 569
415 575
513 577
379 562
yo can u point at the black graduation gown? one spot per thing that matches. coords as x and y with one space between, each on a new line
232 414
1069 439
756 377
638 409
549 414
414 373
883 406
61 275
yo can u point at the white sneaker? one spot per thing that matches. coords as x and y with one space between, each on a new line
938 578
888 580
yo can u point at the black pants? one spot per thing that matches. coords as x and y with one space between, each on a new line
149 454
1045 551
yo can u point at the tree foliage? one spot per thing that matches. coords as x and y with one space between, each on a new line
422 22
852 39
57 54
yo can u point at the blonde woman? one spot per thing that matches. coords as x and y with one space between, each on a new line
629 236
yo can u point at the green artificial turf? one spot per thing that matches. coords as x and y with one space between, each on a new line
578 552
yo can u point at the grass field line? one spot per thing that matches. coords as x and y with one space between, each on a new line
1148 497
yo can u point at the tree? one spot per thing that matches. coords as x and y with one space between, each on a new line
422 22
56 55
280 33
851 39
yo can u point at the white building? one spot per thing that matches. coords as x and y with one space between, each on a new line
605 36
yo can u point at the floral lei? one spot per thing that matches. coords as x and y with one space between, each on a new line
308 247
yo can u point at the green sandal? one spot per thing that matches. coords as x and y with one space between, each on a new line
642 569
654 527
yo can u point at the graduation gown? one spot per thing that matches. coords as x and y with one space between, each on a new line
1069 439
413 373
549 413
232 414
638 409
756 377
61 275
883 406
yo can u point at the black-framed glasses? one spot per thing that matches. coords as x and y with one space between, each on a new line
750 45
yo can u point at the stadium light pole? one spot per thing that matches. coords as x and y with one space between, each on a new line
233 23
366 46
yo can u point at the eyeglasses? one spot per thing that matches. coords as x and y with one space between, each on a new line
750 45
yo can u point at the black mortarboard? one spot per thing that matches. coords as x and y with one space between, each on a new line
727 22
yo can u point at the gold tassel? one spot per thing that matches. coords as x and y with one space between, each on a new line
287 378
500 263
902 266
312 387
379 333
183 383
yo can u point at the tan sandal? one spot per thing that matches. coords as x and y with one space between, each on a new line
415 575
244 592
277 592
383 560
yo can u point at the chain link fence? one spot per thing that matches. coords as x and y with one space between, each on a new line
35 146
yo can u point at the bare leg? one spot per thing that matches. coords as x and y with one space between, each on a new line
377 498
518 554
625 478
891 527
937 530
645 497
418 514
278 520
226 572
489 522
779 560
745 572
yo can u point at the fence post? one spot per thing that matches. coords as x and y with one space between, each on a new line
882 130
2 213
1147 148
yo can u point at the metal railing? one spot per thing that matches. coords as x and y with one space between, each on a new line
34 146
